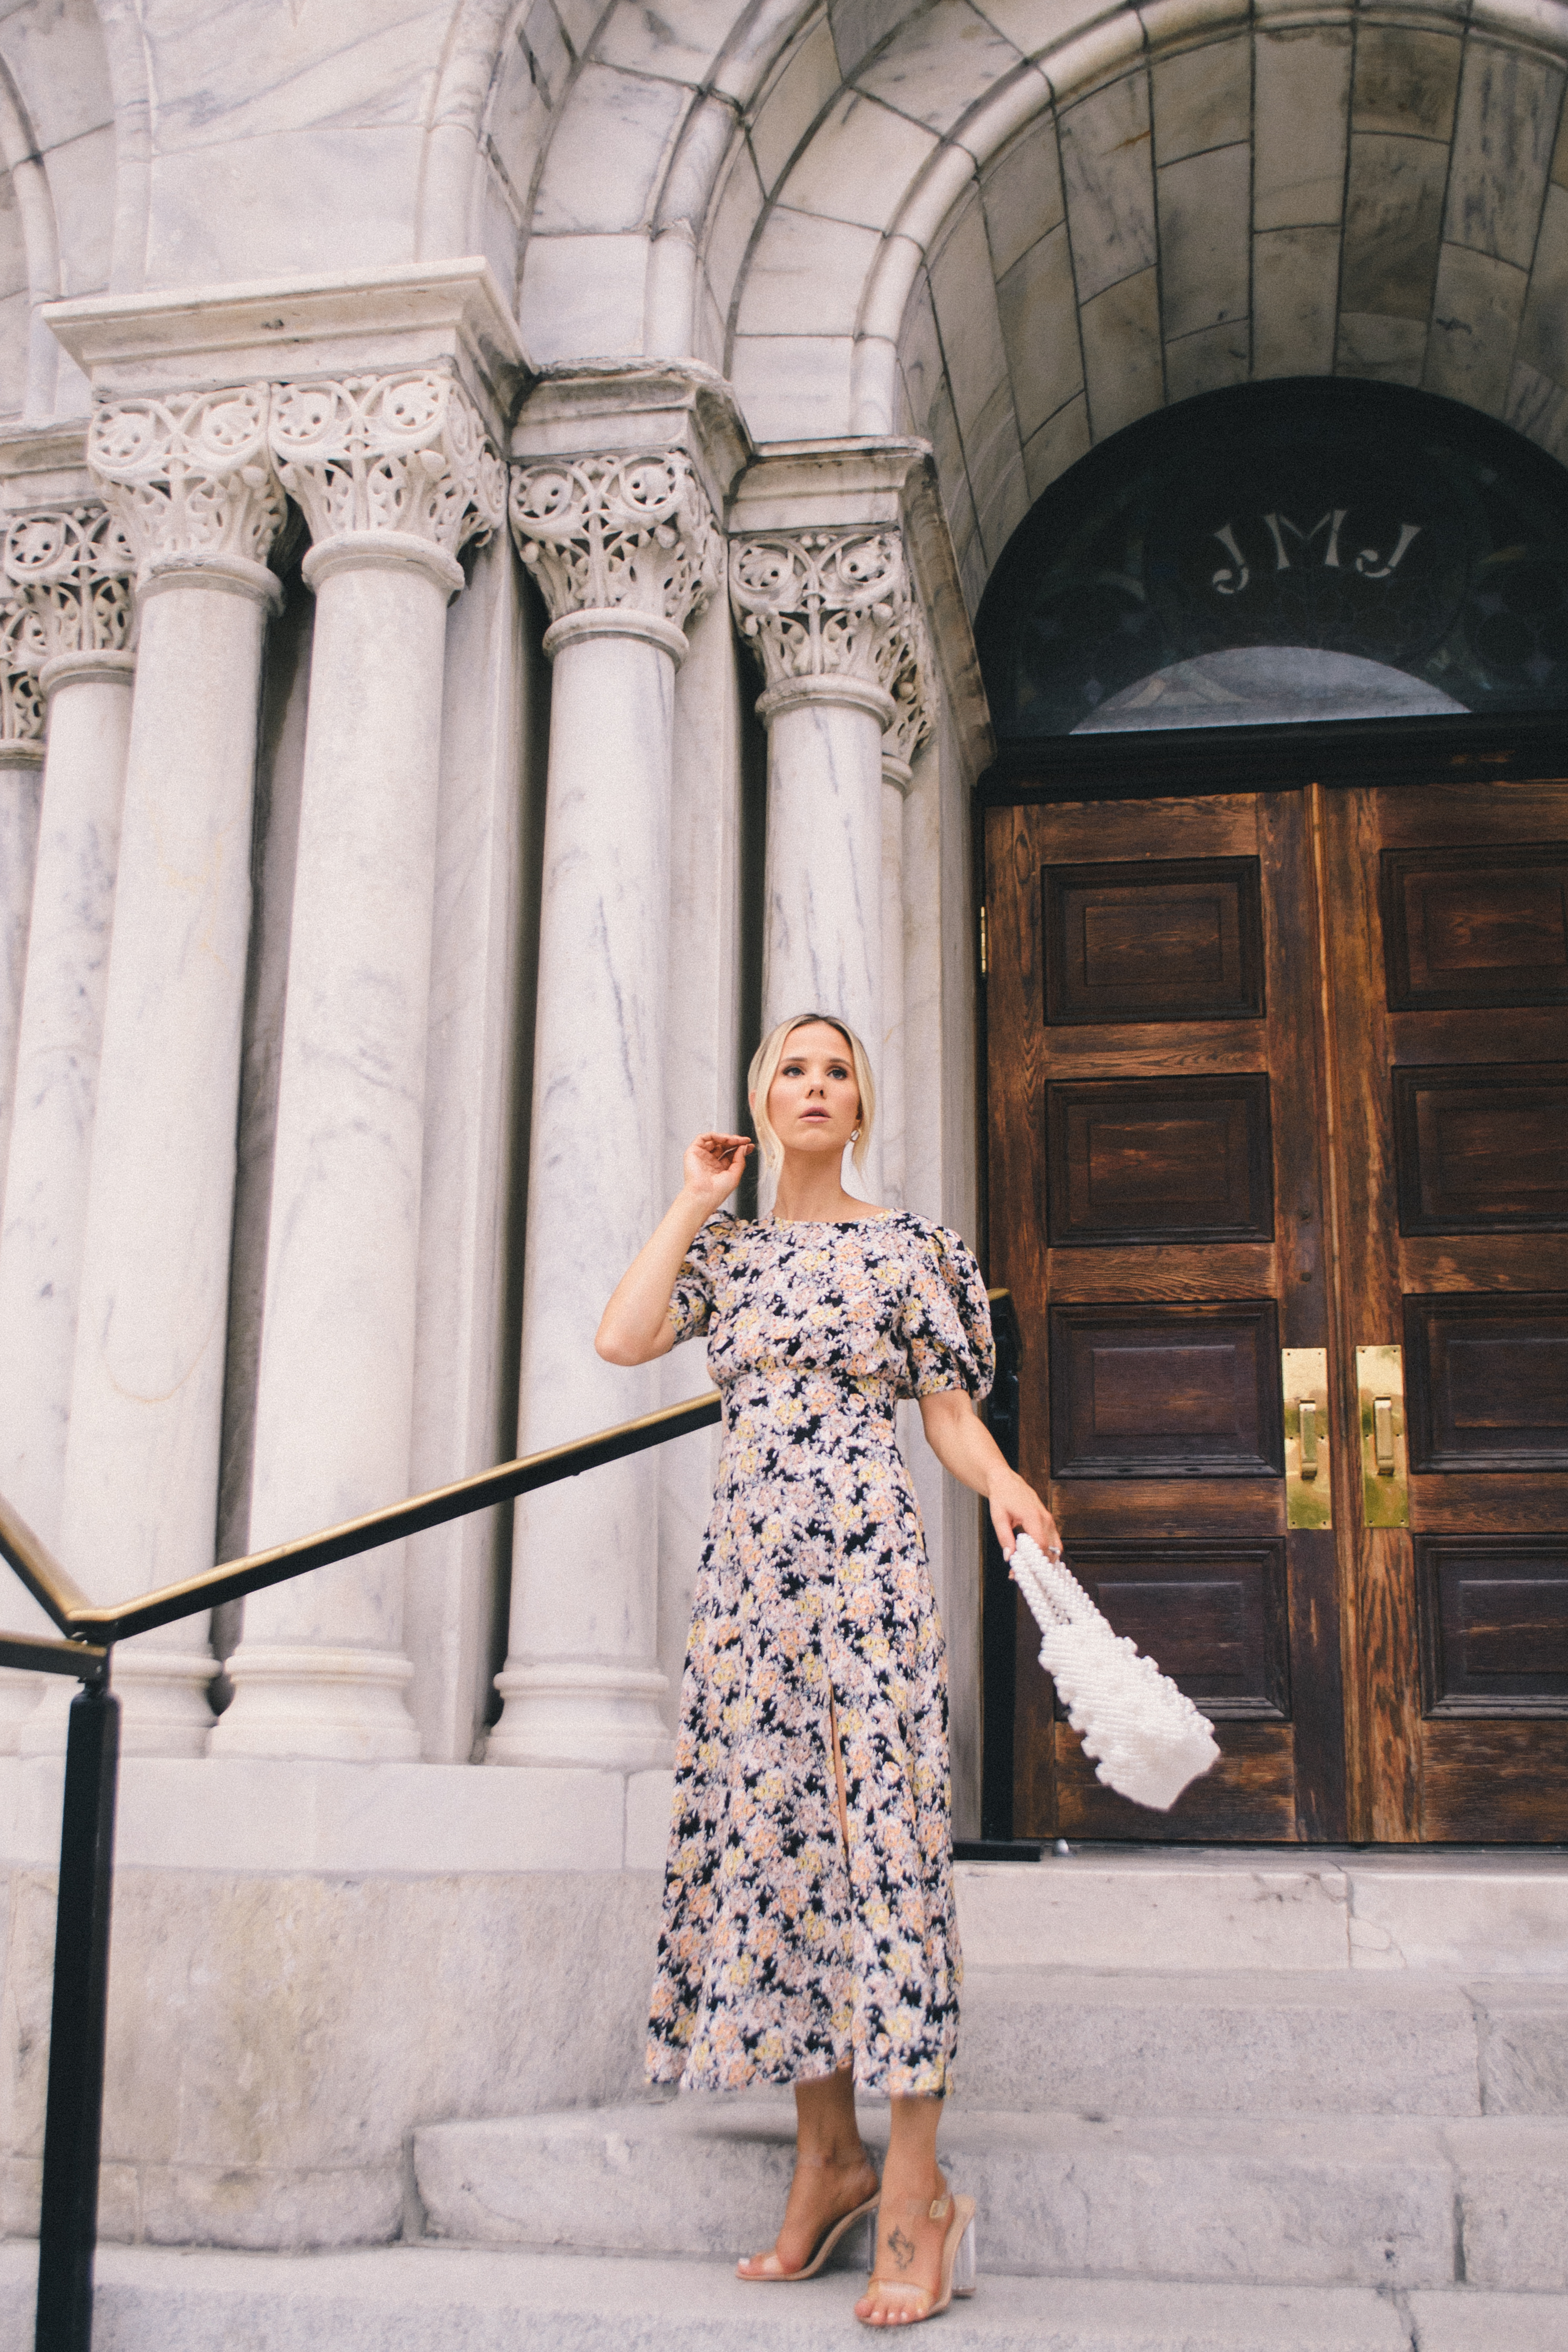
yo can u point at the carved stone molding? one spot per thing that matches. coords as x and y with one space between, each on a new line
824 604
21 658
632 534
69 571
188 476
401 452
910 729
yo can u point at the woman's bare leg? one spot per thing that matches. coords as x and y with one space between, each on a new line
909 2242
833 2174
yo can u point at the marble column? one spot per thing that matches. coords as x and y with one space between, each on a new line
189 480
625 551
394 475
828 615
21 759
71 569
21 766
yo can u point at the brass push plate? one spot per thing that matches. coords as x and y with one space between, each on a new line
1304 1378
1385 1461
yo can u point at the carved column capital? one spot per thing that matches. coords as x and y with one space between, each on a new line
823 604
406 453
69 571
632 533
22 656
188 480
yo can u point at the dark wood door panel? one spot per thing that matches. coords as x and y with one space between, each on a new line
1078 832
1154 1507
1248 1795
1486 1382
1171 1273
1530 1503
1489 1262
1151 1049
1494 1033
1176 940
1151 1393
1495 1783
1482 1148
1476 925
1153 1160
1216 1615
1493 1612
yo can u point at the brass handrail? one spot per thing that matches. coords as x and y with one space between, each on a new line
231 1580
39 1571
77 1616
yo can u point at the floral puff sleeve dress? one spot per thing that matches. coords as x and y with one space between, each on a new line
781 1956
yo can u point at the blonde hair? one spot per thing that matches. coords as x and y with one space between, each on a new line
765 1069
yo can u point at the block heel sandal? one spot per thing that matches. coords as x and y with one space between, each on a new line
824 2247
956 2276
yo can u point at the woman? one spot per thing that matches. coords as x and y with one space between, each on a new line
808 1933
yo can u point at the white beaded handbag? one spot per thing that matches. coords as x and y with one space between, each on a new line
1147 1736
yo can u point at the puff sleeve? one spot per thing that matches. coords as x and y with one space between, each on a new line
946 1323
692 1300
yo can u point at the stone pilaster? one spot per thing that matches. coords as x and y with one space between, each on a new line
394 473
624 548
188 480
68 574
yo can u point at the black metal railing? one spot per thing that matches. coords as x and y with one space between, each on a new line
73 2122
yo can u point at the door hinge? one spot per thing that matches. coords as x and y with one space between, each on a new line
984 959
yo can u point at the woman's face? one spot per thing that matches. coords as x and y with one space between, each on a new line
814 1103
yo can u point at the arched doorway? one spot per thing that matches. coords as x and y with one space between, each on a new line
1276 886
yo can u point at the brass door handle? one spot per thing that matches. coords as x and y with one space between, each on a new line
1305 1384
1383 1436
1385 1459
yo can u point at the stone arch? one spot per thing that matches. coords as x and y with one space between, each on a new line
56 144
1015 251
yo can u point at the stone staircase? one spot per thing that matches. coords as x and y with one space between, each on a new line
1208 2103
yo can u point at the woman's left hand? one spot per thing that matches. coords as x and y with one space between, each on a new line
1017 1510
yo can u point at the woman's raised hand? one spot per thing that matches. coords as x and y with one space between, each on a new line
713 1166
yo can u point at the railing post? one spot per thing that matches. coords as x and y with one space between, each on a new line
73 2127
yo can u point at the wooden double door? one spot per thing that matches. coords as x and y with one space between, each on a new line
1278 1100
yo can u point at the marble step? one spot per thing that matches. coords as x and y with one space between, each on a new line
427 2299
1347 2199
1263 2043
1501 1913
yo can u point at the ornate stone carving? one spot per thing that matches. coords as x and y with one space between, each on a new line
189 475
403 452
824 603
21 658
909 729
69 570
633 532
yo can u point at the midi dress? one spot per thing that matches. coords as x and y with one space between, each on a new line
782 1957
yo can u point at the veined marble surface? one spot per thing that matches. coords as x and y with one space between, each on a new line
822 945
141 1460
61 1028
20 788
490 820
335 1388
581 1683
705 1054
